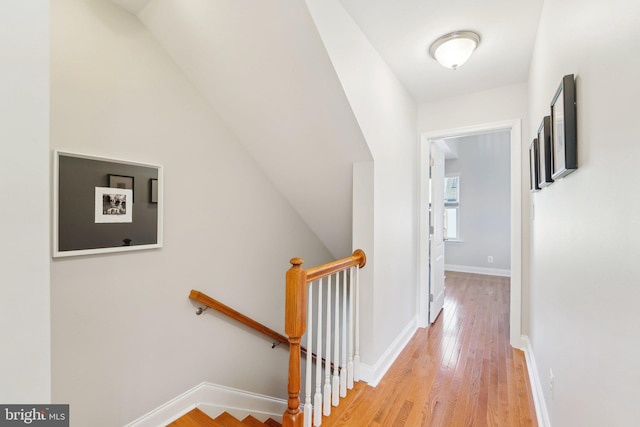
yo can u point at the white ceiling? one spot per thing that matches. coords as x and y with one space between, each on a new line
402 31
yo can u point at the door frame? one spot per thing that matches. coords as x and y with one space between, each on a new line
515 128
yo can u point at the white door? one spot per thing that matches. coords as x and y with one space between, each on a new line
436 233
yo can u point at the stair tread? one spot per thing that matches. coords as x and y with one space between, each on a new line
253 422
228 420
195 418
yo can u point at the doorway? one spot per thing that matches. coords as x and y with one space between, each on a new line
514 128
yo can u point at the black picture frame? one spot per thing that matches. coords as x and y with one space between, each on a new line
122 181
533 166
153 190
544 153
564 131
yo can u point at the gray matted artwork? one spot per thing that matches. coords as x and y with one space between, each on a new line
93 214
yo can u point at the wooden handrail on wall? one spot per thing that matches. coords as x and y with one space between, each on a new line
224 309
247 321
296 322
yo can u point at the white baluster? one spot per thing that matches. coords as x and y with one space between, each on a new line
356 357
343 371
335 389
351 333
317 398
327 361
308 407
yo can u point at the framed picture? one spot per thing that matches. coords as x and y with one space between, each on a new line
93 210
564 129
113 205
121 181
544 153
153 190
533 166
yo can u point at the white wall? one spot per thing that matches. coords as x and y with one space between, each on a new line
25 363
386 114
262 66
491 106
503 103
125 336
584 241
483 164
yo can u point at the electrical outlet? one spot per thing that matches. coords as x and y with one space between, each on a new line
551 383
489 259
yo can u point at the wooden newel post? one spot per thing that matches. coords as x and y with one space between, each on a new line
295 323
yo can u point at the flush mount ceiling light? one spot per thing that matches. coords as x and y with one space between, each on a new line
454 49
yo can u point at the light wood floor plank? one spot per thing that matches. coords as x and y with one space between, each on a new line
460 371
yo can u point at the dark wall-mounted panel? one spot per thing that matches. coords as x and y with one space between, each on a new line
77 228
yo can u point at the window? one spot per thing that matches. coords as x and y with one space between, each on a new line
452 189
452 208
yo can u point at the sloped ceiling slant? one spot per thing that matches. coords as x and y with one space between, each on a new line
263 68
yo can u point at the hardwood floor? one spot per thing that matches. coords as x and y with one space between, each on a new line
459 372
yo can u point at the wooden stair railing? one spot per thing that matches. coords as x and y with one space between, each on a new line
209 302
236 315
297 280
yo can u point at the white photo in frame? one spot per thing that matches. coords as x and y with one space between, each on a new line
113 205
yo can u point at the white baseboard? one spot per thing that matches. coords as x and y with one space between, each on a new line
372 374
536 385
478 270
214 399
